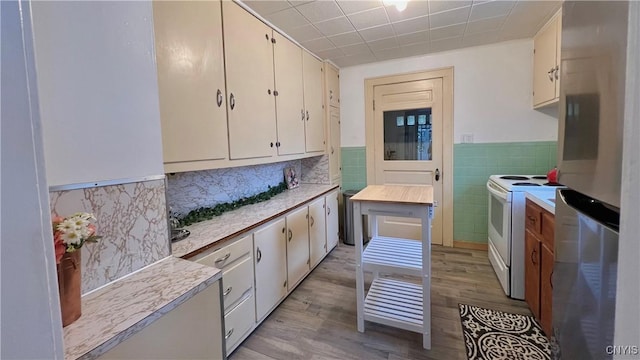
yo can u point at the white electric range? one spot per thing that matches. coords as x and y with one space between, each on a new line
506 226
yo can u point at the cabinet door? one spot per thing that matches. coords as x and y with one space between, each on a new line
544 61
333 232
314 114
271 267
297 246
249 69
333 86
191 88
317 232
334 143
532 273
546 290
290 115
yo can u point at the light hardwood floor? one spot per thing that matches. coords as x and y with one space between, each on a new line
318 319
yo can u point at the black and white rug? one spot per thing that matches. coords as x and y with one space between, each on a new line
492 334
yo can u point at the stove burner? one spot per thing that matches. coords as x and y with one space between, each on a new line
539 177
525 184
552 184
514 177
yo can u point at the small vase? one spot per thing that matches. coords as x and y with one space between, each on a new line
69 285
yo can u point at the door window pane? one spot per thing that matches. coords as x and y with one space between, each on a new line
410 140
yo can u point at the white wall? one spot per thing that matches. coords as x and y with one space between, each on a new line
492 93
31 327
627 331
98 90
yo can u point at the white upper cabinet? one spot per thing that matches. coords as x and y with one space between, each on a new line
333 85
290 114
314 113
546 63
249 69
335 169
189 53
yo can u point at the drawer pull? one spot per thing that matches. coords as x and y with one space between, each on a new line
532 219
223 259
312 221
229 333
226 292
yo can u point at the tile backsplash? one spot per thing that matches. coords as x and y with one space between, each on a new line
132 220
192 190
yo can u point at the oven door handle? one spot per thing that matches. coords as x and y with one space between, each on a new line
498 192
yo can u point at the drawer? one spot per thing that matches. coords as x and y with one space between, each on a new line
239 321
548 229
533 217
227 254
236 280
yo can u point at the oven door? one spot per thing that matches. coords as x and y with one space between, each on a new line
500 221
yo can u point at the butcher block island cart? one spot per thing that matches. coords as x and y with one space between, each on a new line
394 302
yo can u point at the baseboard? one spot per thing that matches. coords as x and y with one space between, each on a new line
470 245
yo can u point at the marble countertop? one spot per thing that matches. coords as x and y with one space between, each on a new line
545 199
113 313
233 223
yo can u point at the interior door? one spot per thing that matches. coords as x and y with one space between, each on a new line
408 147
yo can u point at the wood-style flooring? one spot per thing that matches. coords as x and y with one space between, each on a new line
318 319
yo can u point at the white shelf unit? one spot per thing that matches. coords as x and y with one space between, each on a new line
393 302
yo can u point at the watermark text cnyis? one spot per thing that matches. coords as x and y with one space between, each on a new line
622 350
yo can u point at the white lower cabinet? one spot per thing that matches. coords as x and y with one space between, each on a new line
317 232
193 330
270 254
333 231
297 246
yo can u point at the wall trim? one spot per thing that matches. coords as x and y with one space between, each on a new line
470 245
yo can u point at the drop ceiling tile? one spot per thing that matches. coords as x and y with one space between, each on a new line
265 7
411 26
355 60
376 33
305 33
447 32
355 49
318 45
485 25
346 39
334 26
287 19
416 37
490 9
296 2
416 49
330 54
369 18
436 6
383 44
481 39
445 44
354 6
415 8
388 54
320 10
450 17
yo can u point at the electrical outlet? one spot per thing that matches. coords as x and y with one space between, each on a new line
467 138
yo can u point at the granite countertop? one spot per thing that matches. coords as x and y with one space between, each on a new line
115 312
232 223
545 199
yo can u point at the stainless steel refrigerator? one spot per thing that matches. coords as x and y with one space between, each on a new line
591 109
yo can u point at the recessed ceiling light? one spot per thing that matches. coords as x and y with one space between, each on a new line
399 4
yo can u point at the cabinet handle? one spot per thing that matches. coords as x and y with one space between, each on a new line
325 246
533 256
223 259
232 101
328 210
226 292
302 114
219 97
228 334
556 71
330 94
285 284
308 261
312 221
275 92
437 173
278 144
271 144
551 279
258 255
332 150
269 91
290 234
307 115
532 219
550 73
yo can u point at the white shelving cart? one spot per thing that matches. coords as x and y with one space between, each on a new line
392 302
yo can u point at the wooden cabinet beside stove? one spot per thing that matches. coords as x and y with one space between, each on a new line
539 259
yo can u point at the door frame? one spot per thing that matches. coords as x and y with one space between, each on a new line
446 74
